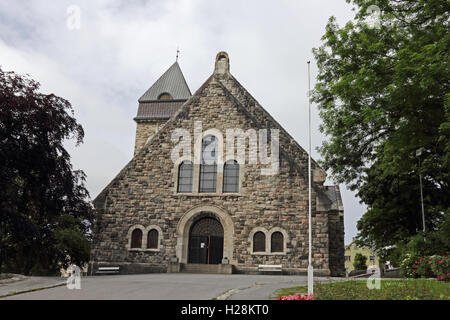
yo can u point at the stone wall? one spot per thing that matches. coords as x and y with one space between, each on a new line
336 243
144 193
146 129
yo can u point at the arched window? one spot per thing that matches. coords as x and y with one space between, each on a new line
165 96
259 242
185 177
208 165
231 176
152 239
276 242
136 238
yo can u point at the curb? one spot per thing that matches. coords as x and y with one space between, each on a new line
32 290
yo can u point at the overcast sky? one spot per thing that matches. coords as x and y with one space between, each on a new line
122 47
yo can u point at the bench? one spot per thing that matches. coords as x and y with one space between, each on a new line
108 270
270 268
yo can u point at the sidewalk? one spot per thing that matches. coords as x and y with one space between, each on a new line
20 284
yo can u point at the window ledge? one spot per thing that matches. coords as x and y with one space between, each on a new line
140 249
207 194
268 253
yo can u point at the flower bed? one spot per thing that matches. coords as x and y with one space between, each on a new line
414 266
398 289
296 296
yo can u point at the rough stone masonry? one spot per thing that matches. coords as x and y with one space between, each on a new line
144 222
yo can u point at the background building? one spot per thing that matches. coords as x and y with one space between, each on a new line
352 249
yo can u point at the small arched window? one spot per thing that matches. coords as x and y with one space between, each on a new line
165 96
185 176
208 165
277 242
136 238
152 239
259 242
231 176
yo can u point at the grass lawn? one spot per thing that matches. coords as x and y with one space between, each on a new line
403 289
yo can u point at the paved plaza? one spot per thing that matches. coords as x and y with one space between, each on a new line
157 286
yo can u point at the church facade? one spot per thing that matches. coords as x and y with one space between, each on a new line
215 185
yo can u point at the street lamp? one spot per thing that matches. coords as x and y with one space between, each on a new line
310 266
418 154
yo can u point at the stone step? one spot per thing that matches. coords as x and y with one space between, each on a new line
201 268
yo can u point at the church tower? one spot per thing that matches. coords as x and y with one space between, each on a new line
159 103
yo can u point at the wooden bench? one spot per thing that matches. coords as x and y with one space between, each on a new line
108 270
270 268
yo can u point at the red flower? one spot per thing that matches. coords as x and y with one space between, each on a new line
442 277
440 262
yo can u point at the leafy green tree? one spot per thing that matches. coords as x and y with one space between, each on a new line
44 210
383 93
360 262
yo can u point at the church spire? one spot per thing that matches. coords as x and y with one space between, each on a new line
172 83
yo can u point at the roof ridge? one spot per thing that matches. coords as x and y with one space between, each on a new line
292 158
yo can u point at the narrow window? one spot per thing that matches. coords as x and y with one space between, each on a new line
208 165
152 239
185 177
136 238
259 242
231 176
277 242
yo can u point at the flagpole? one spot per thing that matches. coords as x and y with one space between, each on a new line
310 266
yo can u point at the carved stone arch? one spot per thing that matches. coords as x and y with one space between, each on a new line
285 239
222 64
251 237
130 232
190 217
176 171
160 237
220 146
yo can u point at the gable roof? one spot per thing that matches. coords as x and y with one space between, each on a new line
162 109
240 97
333 193
172 82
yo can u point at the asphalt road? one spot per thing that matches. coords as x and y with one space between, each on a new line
170 286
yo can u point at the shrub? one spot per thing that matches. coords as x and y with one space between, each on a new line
360 262
415 266
441 268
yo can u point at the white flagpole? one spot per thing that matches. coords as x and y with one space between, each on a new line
310 266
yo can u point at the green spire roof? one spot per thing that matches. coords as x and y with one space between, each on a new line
171 82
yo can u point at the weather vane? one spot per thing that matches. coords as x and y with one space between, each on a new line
178 51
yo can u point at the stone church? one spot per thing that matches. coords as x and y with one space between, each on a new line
181 205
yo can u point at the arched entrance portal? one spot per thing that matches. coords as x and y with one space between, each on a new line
206 241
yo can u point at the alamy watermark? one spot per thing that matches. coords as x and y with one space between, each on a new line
374 281
374 19
74 280
209 147
73 20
